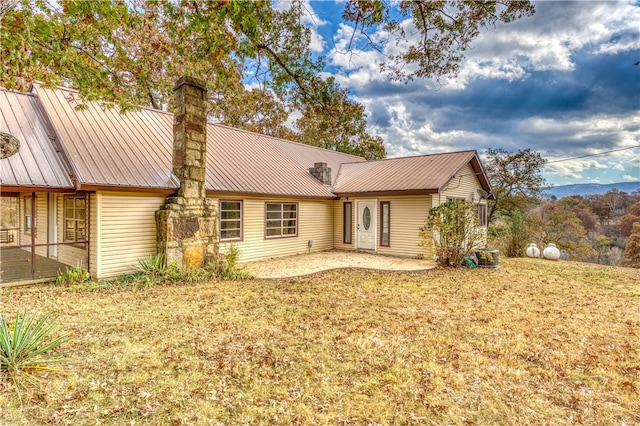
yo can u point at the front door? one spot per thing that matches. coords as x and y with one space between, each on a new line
366 225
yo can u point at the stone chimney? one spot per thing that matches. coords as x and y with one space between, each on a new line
187 231
190 136
321 172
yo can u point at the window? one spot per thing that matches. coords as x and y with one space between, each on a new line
347 222
385 207
482 214
281 220
75 218
28 224
230 220
9 214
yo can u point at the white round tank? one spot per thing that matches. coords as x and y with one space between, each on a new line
533 250
551 252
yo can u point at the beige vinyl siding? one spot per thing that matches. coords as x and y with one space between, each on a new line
464 185
42 223
407 215
126 231
94 234
315 222
72 255
338 225
39 223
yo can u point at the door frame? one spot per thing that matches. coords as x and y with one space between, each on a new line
373 204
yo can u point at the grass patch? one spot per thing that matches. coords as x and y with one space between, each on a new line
535 342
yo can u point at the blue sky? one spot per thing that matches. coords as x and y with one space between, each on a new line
562 83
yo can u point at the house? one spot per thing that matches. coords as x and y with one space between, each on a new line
86 185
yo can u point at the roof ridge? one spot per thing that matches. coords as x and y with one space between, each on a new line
17 92
284 140
417 156
38 85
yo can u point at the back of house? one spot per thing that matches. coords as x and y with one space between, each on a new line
84 186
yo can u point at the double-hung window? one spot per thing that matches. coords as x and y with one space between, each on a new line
75 211
482 214
28 218
281 220
230 220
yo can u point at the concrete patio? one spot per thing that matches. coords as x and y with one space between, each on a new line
304 264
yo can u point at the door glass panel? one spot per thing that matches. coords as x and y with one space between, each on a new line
366 218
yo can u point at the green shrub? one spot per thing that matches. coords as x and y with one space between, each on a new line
73 276
229 269
27 347
450 232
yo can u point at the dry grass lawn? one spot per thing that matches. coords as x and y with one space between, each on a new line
535 342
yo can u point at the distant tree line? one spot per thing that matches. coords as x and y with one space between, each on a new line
602 228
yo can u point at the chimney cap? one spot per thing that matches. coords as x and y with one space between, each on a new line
191 81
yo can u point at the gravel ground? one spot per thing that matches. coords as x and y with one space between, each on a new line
303 264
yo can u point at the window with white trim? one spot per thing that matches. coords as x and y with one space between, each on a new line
28 219
385 208
482 214
75 211
281 220
230 220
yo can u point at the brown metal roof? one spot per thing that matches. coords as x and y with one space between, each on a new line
250 163
37 163
426 174
307 156
112 149
133 150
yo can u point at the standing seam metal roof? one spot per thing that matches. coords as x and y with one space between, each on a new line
37 163
426 174
134 150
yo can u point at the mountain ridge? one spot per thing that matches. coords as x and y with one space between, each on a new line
590 189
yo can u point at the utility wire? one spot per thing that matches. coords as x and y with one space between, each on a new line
593 155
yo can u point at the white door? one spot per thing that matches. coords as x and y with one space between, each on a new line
366 225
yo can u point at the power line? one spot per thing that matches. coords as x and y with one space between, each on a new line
593 155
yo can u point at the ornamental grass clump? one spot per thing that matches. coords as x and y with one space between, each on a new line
28 347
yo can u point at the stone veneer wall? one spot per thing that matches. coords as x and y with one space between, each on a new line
187 225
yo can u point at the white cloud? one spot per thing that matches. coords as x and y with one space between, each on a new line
629 178
425 117
310 19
